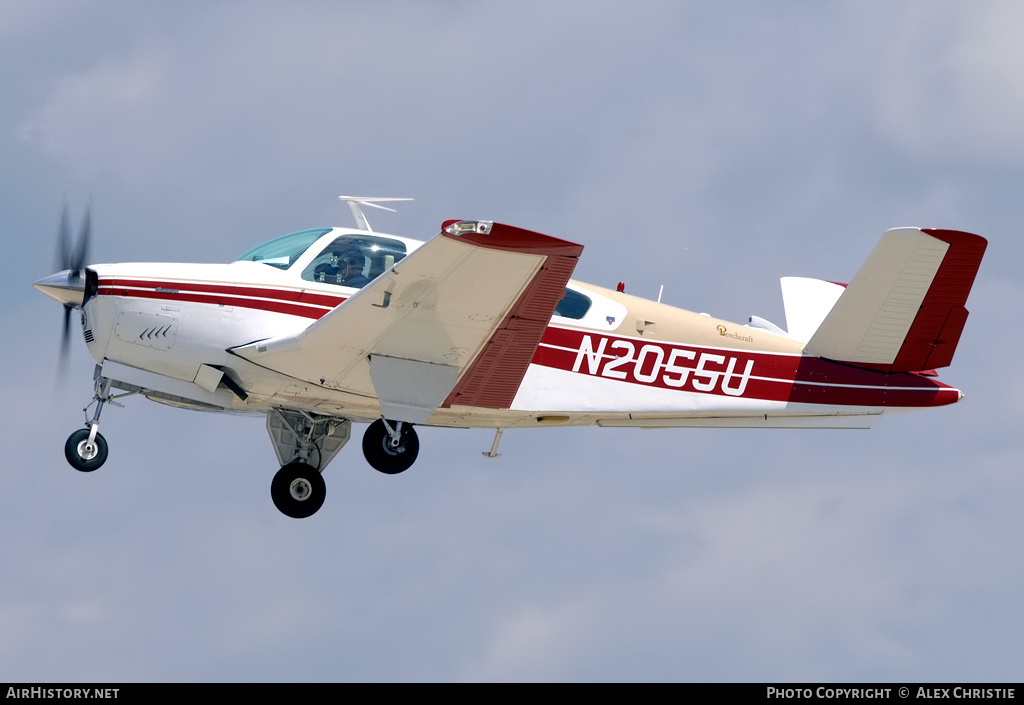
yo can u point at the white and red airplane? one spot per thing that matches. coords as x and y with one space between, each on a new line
482 327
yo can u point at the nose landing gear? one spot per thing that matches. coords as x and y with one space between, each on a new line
86 449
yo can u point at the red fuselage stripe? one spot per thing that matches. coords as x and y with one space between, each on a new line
297 295
733 372
288 301
720 371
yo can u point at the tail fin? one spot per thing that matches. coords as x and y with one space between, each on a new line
904 310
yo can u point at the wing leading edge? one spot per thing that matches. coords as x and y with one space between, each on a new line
454 323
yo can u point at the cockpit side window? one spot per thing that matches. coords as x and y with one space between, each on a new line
283 252
354 260
573 305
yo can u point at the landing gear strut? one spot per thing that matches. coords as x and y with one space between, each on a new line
390 447
86 449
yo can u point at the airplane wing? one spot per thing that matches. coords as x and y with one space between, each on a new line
904 310
454 323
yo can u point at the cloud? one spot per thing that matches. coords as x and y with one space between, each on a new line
302 88
20 17
947 84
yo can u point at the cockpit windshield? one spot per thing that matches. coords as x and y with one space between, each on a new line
282 252
354 260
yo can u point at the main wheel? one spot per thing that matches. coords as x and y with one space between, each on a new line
298 490
83 455
384 454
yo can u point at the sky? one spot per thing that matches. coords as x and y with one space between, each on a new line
708 147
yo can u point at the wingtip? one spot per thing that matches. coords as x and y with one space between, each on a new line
508 237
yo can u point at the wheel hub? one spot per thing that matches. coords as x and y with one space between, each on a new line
87 450
300 489
389 448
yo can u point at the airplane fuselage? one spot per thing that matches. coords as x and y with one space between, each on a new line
627 361
483 327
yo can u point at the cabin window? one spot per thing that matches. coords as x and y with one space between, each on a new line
573 305
354 260
282 252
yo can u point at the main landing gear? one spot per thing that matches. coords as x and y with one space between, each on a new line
305 443
86 448
390 447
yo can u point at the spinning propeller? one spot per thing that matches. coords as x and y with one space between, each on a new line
68 285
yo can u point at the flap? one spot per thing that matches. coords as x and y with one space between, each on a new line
409 390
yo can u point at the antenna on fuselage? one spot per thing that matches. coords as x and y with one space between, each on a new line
354 203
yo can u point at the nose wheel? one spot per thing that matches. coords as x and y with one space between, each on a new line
85 450
390 447
298 490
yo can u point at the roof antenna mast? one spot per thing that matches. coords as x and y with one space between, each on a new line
355 203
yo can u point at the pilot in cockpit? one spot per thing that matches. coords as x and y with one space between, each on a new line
350 269
345 268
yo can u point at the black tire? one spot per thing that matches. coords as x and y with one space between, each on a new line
382 456
81 457
298 490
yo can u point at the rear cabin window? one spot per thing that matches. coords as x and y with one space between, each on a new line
573 305
354 260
